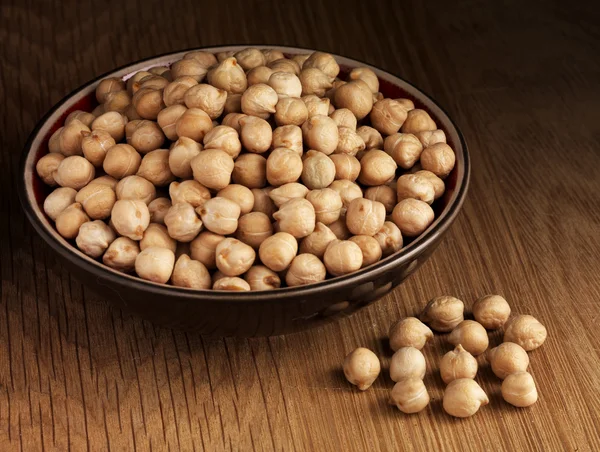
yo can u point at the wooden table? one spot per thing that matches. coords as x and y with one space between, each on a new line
521 82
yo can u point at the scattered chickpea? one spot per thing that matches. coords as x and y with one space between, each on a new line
220 215
121 254
321 133
253 228
342 257
318 170
228 76
316 242
492 311
412 216
121 160
458 363
259 74
287 192
284 166
260 277
443 313
365 217
389 238
290 137
181 155
112 122
526 331
305 269
224 138
410 395
407 362
418 120
429 137
438 158
70 220
296 217
194 123
182 222
157 235
232 284
409 332
59 200
277 251
519 389
158 209
370 248
47 165
250 170
508 358
361 368
404 148
136 187
203 248
314 81
155 264
213 168
94 237
463 398
256 134
377 168
233 257
97 200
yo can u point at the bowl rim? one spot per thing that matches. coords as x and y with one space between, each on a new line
101 271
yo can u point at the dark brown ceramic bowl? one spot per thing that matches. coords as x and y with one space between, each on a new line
243 313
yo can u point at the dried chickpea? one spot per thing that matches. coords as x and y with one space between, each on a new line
370 248
415 186
85 117
371 137
365 217
121 160
443 313
387 116
59 200
174 92
121 254
383 194
239 194
327 204
277 251
144 135
305 269
316 105
233 284
287 192
205 59
285 65
70 220
213 168
262 202
148 102
250 58
290 111
189 67
47 165
256 134
300 58
74 172
318 170
508 358
418 120
203 248
229 76
438 158
316 242
408 104
234 257
117 101
526 331
188 191
412 216
389 238
471 335
519 389
376 168
366 75
344 118
134 81
158 209
95 145
349 142
98 110
289 137
404 148
105 180
346 166
155 168
429 137
342 257
108 85
97 200
458 363
194 123
112 122
361 368
339 228
463 398
136 187
259 74
407 362
157 235
323 61
285 84
409 332
438 184
296 217
190 273
253 228
321 133
233 103
224 138
220 215
260 277
167 120
259 100
250 170
69 138
130 218
181 155
314 81
284 166
182 222
355 96
492 311
155 264
347 190
410 395
272 55
207 98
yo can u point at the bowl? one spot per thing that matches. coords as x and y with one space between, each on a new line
242 314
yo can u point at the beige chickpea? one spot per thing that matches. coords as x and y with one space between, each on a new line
492 311
121 160
272 55
339 228
285 84
259 74
233 103
167 120
371 137
321 133
188 191
376 168
430 137
250 170
365 217
121 254
355 96
134 81
387 116
69 138
189 67
323 61
404 148
407 103
415 186
389 238
59 200
85 117
97 200
94 237
260 277
277 251
130 218
519 389
366 75
438 158
296 217
105 180
158 209
98 110
458 363
148 102
314 81
300 58
108 85
194 123
157 235
224 138
207 98
256 134
232 284
327 204
118 101
418 120
191 274
228 76
283 166
289 137
438 184
74 172
342 257
206 59
344 118
95 145
409 332
259 100
46 167
346 166
213 168
234 257
182 222
144 135
285 65
174 92
131 113
181 155
155 168
347 190
254 228
443 313
287 192
412 216
410 395
383 194
463 398
361 368
203 248
112 122
370 248
316 242
305 269
349 142
136 187
290 111
316 105
471 335
318 170
407 362
250 58
508 358
220 215
155 264
526 331
262 201
239 194
70 220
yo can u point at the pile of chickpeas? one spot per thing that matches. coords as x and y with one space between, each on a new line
244 171
458 368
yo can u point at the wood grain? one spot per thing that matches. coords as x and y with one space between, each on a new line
522 83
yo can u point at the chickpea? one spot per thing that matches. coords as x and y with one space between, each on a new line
371 137
189 67
233 103
239 194
526 331
321 133
355 96
182 222
316 105
97 200
85 117
412 216
130 218
283 166
285 84
98 110
365 217
438 184
136 187
70 220
508 358
203 248
256 134
112 122
207 98
339 228
167 120
205 59
213 168
346 166
443 313
272 55
181 155
290 111
519 390
323 61
277 251
108 85
158 209
250 170
389 238
410 395
344 118
190 273
259 100
262 202
188 191
407 103
347 190
350 142
148 102
105 180
492 311
174 92
254 228
59 200
289 137
409 332
407 362
415 186
314 81
463 398
220 215
259 74
155 264
144 136
46 167
376 168
224 138
117 101
366 75
233 257
418 120
121 160
429 137
342 257
438 158
316 242
361 368
327 204
383 194
404 148
157 235
371 251
456 364
387 116
260 277
305 269
134 81
95 145
233 284
155 168
300 58
296 217
121 254
228 76
94 237
285 65
74 172
318 170
250 58
287 192
194 123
